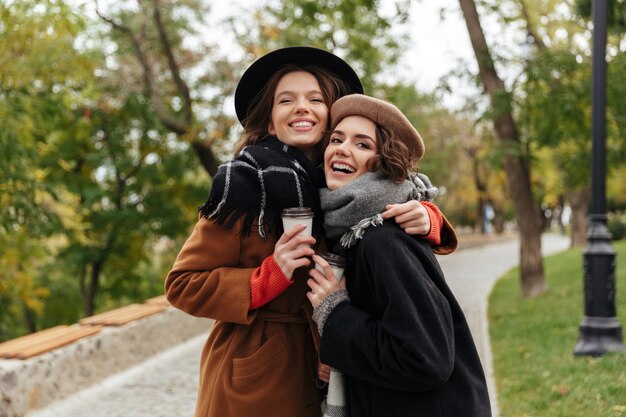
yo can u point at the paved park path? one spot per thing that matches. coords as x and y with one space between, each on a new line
165 386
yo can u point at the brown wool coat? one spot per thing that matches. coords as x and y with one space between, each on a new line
255 362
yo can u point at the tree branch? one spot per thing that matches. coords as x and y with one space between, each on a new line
173 65
486 68
529 27
207 157
178 126
160 109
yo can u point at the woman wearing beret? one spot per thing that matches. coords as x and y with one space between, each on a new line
240 269
397 334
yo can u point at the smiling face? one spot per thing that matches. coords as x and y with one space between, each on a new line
299 112
352 144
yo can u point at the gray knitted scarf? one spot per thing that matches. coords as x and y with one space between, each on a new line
350 210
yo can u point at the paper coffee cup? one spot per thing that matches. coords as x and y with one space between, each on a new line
298 215
336 262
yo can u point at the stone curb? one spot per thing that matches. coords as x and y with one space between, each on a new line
27 385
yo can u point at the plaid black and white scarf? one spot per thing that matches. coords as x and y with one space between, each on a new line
259 183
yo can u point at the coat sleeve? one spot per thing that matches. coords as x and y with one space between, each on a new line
408 344
449 239
206 280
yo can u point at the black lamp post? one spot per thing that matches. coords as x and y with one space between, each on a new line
600 331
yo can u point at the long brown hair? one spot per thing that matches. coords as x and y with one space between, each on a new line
259 116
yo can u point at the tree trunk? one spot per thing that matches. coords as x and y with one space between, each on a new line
90 298
481 187
560 218
481 215
207 157
579 203
516 166
29 319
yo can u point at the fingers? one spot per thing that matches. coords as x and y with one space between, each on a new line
342 283
299 263
317 293
289 259
413 222
292 248
316 281
289 234
285 254
417 215
297 242
313 298
328 270
395 210
391 211
321 285
323 372
294 259
418 231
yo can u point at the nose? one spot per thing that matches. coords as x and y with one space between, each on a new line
302 106
343 148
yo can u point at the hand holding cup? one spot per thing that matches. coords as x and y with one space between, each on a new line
293 249
324 283
337 264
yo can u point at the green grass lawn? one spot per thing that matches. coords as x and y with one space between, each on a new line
533 341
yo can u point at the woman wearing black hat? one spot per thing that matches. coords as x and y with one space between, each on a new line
397 333
260 358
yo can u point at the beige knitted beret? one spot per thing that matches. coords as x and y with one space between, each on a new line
382 113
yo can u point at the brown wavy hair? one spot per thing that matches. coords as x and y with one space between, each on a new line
392 155
259 115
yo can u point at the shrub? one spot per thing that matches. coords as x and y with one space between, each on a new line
617 227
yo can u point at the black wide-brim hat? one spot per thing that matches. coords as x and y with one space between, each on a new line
258 74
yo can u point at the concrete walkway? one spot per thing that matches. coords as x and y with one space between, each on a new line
471 274
166 385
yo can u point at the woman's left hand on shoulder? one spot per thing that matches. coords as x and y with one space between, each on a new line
411 216
322 284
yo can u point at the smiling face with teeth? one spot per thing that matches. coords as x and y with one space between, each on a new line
352 145
299 112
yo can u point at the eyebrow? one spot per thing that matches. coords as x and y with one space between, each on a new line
358 135
292 92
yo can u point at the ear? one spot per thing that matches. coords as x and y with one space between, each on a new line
270 129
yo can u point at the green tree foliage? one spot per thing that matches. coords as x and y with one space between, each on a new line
616 14
372 41
93 187
556 111
128 183
555 102
549 70
358 31
40 73
186 83
452 141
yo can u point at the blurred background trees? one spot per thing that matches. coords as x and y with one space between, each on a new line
115 115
